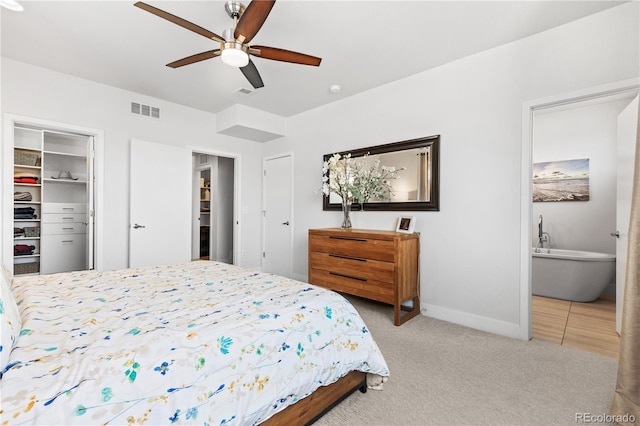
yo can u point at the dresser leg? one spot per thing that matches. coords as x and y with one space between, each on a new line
398 318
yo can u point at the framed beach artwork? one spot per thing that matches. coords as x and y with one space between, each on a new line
566 180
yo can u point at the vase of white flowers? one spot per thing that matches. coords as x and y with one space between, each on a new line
356 180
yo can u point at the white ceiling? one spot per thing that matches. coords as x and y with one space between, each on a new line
363 44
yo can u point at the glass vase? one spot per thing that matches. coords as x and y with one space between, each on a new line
346 211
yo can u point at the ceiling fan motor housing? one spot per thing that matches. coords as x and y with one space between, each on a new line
234 8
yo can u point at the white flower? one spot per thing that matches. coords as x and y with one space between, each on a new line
354 180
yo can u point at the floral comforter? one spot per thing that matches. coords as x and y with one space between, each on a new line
198 343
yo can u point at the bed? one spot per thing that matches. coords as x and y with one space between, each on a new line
196 343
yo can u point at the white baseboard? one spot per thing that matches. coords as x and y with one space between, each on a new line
477 322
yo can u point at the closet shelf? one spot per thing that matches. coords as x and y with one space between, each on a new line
64 180
66 154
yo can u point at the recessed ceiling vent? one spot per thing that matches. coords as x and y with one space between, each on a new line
145 110
243 91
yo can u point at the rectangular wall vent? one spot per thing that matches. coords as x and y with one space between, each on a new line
145 110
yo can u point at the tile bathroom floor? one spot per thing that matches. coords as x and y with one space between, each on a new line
587 326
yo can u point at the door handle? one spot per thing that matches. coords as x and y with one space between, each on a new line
615 234
286 223
136 226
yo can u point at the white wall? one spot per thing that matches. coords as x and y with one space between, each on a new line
37 92
470 271
584 130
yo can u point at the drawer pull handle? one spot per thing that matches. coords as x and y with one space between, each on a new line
360 240
67 241
68 208
67 229
348 257
348 276
67 218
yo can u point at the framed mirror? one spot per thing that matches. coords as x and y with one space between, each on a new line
417 185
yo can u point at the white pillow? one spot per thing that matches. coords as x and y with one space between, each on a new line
9 319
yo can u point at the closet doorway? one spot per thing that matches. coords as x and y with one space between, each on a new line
213 221
50 168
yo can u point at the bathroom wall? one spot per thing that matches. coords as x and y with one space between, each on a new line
582 130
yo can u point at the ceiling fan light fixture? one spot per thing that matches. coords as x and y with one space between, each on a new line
234 54
12 5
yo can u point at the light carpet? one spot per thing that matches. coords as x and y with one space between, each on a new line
446 374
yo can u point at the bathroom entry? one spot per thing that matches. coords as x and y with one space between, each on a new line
213 201
581 130
585 129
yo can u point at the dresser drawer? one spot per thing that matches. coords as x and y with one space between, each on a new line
64 208
365 248
64 217
370 289
64 228
62 253
356 267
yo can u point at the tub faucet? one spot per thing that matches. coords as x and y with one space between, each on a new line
540 228
542 237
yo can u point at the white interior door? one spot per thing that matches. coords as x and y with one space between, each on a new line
627 134
159 205
277 215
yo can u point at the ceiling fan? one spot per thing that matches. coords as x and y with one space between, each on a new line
234 46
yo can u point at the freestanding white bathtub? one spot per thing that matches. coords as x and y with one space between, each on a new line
579 276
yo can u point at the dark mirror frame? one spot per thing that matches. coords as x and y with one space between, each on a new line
432 205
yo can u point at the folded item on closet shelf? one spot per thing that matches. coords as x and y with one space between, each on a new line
23 210
23 216
31 180
23 248
26 174
18 232
22 196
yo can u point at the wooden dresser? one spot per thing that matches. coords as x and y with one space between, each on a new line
377 265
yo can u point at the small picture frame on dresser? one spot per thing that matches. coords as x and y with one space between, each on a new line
406 224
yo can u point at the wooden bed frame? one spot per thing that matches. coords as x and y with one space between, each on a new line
308 410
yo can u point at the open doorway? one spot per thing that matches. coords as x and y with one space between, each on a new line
213 208
577 166
529 223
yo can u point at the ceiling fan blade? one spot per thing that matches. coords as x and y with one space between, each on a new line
251 73
252 19
194 58
284 55
179 21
